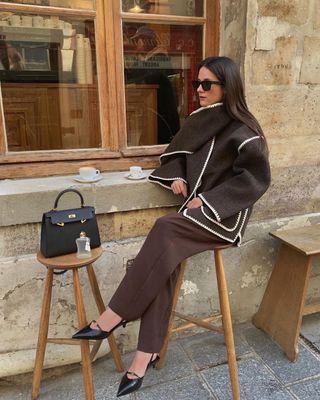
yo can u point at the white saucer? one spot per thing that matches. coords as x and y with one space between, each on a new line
133 178
78 178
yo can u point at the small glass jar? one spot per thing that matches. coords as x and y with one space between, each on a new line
83 246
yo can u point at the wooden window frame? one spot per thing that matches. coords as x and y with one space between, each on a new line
114 154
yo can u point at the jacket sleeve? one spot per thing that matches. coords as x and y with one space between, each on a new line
172 168
250 180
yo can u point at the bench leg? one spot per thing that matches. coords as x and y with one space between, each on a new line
43 335
227 324
84 344
281 310
171 319
101 307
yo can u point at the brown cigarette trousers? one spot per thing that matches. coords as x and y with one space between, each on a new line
147 289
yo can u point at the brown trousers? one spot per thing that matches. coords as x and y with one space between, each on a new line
147 289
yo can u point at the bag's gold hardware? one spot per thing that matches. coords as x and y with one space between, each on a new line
71 215
60 223
83 220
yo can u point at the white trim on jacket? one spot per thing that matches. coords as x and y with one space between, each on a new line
200 176
215 212
247 141
204 108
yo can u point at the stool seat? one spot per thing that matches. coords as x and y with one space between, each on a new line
69 261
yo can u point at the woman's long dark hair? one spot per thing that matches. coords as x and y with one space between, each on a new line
228 74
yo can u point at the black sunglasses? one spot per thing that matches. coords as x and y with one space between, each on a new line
206 85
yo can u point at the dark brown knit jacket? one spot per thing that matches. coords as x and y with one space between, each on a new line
224 163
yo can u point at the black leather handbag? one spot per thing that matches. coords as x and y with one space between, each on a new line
61 228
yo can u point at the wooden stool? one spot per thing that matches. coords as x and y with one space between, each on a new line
283 304
71 262
204 323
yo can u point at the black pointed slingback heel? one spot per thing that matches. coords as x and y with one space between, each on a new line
128 385
88 333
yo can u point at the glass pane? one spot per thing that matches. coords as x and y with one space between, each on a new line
82 4
160 62
172 7
49 83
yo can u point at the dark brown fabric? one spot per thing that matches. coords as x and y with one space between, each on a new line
195 135
224 163
146 290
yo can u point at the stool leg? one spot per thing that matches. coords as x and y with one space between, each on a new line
43 335
171 319
85 349
227 324
101 307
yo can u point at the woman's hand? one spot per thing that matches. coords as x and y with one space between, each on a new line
195 203
179 187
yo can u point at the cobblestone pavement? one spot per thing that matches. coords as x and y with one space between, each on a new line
196 369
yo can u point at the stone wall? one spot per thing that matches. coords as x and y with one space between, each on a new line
282 76
232 32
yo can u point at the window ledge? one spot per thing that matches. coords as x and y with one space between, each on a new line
24 201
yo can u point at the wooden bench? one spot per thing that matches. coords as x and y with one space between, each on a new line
283 304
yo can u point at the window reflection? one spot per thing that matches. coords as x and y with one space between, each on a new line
190 8
81 4
49 82
160 61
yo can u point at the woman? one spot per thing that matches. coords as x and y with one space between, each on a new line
218 162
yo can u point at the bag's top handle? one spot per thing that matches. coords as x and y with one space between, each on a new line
66 191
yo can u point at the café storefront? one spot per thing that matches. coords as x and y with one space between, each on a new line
102 83
83 83
102 80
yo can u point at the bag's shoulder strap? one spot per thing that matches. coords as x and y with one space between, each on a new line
66 191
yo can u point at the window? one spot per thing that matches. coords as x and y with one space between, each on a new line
159 62
49 83
69 96
85 4
192 8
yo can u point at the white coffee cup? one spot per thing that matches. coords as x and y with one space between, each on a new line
135 171
88 173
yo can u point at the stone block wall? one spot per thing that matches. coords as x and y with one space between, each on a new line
276 43
282 78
